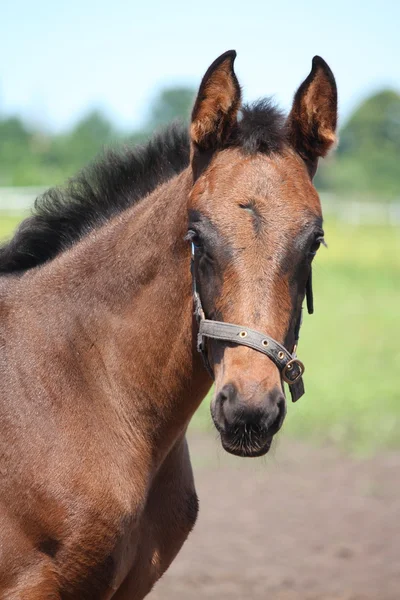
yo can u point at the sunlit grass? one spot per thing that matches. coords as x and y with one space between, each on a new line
350 346
7 224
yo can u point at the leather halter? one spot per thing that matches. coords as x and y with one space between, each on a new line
290 367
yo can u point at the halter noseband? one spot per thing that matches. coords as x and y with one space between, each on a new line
290 367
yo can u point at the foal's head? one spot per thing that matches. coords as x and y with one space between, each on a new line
256 222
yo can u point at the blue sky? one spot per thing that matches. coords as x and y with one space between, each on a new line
58 59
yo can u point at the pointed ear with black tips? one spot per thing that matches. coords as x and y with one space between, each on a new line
312 121
215 111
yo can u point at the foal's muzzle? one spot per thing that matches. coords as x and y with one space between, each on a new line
247 426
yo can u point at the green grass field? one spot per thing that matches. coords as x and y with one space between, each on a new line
8 224
350 346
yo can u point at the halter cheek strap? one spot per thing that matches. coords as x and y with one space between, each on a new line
290 367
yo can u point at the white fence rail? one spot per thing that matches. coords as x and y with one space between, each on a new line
357 212
18 200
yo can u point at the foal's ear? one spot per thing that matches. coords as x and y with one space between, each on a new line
214 115
312 120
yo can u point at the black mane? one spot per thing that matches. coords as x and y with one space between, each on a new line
108 186
119 179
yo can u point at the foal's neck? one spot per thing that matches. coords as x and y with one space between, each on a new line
128 286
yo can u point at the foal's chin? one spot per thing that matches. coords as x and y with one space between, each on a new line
245 446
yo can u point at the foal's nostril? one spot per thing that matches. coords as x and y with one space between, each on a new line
228 392
224 406
274 426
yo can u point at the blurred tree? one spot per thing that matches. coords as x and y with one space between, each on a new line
376 123
72 151
15 149
14 141
368 157
170 104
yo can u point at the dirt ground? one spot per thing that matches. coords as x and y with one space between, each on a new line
304 523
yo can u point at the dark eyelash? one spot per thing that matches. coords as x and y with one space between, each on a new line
190 234
193 237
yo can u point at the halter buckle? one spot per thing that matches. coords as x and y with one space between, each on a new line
293 371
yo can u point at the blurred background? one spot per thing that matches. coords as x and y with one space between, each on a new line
319 517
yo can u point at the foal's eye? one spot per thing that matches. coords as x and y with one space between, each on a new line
316 244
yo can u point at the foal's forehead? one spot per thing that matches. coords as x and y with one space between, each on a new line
277 185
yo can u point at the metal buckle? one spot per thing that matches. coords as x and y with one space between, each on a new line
288 367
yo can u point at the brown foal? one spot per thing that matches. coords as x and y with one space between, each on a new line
99 369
